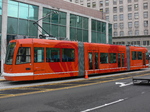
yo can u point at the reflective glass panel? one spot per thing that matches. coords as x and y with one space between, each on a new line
23 11
23 27
54 30
33 12
46 27
12 8
0 24
55 17
73 20
85 35
85 23
32 29
45 14
94 37
93 25
62 31
79 35
79 22
62 18
12 26
0 7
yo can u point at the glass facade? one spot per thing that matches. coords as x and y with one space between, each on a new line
98 31
0 16
54 23
78 28
21 17
110 33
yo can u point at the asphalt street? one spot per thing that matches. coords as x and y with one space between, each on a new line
88 95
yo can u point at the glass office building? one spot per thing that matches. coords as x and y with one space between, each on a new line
76 23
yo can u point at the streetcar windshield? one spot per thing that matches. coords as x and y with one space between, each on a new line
10 53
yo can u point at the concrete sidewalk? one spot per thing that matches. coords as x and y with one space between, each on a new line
1 77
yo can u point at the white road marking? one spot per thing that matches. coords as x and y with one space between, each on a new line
88 110
122 84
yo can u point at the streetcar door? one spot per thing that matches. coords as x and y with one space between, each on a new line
119 60
96 60
93 61
39 65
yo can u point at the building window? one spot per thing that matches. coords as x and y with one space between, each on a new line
136 7
101 3
115 17
114 2
101 10
145 32
107 10
136 32
115 34
135 0
88 5
136 24
21 17
129 24
129 7
144 42
121 17
76 1
98 31
136 15
107 2
120 1
145 5
94 4
121 33
114 9
55 24
129 1
107 18
145 23
145 14
121 25
78 28
130 16
121 8
115 26
130 33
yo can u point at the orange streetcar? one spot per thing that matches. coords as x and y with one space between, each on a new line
35 59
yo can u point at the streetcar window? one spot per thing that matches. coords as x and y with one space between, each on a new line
103 58
122 59
52 55
10 53
38 54
23 55
133 55
139 55
68 55
112 57
90 61
147 56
